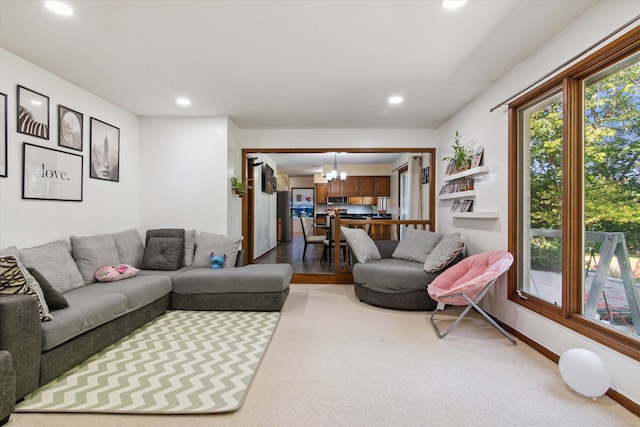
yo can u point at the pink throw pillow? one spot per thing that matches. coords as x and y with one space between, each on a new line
111 273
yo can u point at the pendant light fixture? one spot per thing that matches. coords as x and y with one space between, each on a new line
334 172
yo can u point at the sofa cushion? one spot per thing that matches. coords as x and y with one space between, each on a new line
163 253
55 300
113 273
130 247
253 278
99 303
392 275
54 261
362 246
416 245
445 252
209 243
177 233
92 253
13 281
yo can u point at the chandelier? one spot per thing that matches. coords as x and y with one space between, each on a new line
334 172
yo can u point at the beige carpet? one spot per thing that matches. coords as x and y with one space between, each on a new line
334 361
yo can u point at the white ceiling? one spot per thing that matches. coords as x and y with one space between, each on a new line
286 64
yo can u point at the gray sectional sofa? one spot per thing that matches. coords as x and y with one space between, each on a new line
100 313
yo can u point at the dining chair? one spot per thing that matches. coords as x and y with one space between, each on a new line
329 241
310 239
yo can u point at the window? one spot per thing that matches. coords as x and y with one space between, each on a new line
575 189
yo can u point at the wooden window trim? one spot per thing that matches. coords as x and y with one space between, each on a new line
570 80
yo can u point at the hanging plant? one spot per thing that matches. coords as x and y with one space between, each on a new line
238 187
462 155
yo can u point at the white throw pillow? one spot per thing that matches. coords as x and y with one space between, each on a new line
444 253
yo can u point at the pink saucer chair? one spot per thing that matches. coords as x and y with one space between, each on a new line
466 283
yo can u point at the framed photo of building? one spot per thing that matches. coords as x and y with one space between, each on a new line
49 174
69 128
105 151
3 135
33 113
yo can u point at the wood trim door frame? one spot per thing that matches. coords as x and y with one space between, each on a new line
247 202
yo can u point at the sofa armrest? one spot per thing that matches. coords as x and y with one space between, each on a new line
7 386
21 335
386 247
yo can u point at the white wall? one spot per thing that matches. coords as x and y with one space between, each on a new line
106 207
183 173
234 166
490 129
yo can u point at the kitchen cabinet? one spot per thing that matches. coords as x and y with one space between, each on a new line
321 194
351 186
360 186
367 185
335 188
383 186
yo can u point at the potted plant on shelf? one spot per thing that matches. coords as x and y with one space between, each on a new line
461 158
238 187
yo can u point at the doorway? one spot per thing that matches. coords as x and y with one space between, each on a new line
248 205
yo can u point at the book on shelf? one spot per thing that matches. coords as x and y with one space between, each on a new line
457 186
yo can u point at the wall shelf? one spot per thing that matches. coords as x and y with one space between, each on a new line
479 170
476 215
457 195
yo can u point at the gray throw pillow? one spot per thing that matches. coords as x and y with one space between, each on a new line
362 246
55 300
92 253
209 243
189 246
177 233
54 261
163 253
130 247
416 245
444 253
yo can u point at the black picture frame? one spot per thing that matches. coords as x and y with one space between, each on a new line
425 175
3 136
267 179
104 157
49 174
32 113
70 128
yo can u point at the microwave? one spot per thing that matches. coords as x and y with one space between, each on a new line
337 200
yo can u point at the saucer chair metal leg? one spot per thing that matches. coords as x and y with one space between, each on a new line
472 304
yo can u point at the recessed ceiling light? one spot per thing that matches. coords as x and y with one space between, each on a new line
59 8
452 4
183 101
395 100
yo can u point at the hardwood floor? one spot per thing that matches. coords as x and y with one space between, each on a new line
291 253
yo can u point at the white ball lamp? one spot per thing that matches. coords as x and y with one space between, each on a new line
585 372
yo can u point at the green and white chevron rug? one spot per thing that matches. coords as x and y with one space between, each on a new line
182 362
